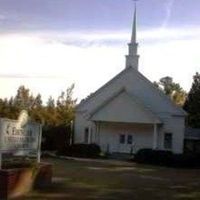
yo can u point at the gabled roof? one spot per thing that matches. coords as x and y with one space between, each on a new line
164 96
140 76
123 107
83 101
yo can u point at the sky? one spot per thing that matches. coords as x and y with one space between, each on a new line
47 45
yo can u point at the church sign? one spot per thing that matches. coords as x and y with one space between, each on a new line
21 138
14 139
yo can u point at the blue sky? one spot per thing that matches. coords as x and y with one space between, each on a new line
49 44
95 15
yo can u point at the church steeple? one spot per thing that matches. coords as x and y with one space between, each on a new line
132 57
134 33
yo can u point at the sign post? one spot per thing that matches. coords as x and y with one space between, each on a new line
39 144
0 146
0 159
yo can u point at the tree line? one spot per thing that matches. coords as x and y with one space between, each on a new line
190 101
61 111
56 112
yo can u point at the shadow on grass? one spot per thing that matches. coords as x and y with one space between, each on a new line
188 196
111 180
82 190
59 191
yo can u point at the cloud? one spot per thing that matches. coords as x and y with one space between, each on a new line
25 76
2 17
168 8
48 62
178 59
115 38
25 57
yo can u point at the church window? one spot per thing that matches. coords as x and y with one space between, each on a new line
168 140
122 139
86 135
129 139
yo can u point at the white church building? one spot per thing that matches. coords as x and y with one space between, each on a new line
129 113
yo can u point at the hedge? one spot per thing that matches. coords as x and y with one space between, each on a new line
153 156
167 158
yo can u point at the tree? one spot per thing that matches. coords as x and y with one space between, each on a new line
52 114
36 108
192 104
23 99
51 103
65 106
172 89
3 107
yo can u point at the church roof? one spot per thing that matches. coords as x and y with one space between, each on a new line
124 107
179 110
83 101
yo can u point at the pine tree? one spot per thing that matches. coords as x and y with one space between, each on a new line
192 104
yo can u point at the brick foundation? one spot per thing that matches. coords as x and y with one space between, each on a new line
17 182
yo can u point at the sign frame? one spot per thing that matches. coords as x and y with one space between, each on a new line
37 144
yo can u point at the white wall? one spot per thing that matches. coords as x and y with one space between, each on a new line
124 108
138 86
143 134
176 126
109 134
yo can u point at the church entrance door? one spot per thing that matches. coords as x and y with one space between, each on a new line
125 143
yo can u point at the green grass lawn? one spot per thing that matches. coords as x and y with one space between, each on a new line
108 179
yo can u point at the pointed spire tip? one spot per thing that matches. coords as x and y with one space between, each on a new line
134 31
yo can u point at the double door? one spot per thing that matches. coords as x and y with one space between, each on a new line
126 143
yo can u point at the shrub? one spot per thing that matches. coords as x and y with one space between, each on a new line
186 160
82 150
55 138
167 158
143 155
159 157
162 157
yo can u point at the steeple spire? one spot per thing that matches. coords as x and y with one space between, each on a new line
132 57
134 33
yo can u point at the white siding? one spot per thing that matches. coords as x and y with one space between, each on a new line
123 109
109 135
136 85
